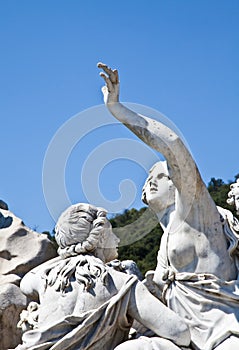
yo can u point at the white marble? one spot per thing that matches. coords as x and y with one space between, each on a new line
21 249
198 259
86 303
233 195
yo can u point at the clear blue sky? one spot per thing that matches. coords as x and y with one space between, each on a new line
177 57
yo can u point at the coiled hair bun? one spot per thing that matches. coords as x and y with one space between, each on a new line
79 229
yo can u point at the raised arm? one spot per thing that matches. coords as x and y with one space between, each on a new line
156 135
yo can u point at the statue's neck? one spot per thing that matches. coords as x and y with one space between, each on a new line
165 217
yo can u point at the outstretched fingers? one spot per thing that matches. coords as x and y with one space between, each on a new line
112 74
103 66
107 81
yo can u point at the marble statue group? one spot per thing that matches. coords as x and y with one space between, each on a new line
84 299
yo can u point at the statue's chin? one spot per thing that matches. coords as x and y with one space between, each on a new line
157 207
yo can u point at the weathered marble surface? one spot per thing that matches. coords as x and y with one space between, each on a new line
197 268
12 302
21 249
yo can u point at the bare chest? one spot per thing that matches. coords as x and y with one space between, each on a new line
194 250
181 251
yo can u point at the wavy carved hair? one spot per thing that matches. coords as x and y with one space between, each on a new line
79 229
77 233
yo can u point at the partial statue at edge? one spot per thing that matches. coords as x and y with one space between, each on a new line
197 268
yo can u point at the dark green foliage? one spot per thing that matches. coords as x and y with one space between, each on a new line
219 190
127 217
144 251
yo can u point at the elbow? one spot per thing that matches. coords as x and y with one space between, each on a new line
26 286
179 332
183 336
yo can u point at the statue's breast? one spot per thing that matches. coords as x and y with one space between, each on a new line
181 251
201 250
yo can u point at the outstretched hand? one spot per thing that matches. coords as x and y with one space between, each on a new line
111 88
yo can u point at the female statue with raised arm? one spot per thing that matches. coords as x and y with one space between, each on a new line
84 303
197 265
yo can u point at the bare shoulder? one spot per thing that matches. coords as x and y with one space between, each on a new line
33 282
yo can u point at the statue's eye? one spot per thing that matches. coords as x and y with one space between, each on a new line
160 176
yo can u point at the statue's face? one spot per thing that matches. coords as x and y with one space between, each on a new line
111 243
158 191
